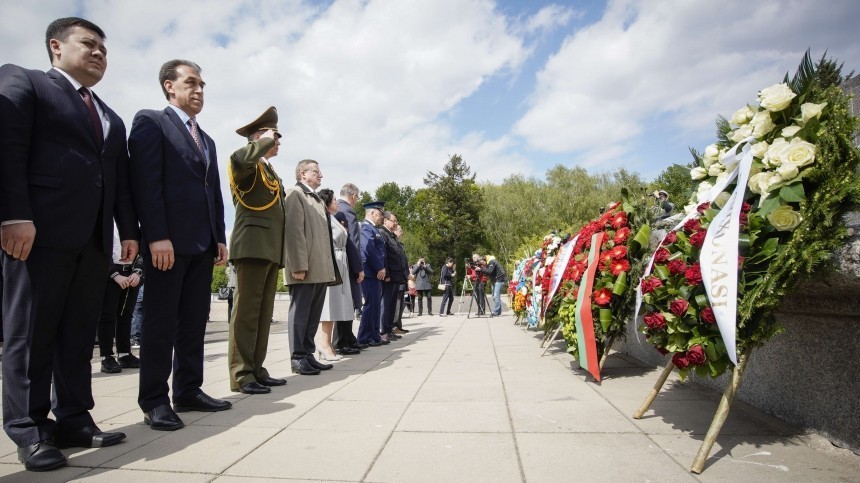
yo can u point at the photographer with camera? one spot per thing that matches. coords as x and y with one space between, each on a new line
446 283
479 280
424 285
494 270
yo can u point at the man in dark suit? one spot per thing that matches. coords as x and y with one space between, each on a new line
177 193
343 338
395 276
63 180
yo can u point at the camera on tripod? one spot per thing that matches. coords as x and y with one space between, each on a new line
470 262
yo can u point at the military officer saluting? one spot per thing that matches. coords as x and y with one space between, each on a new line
257 252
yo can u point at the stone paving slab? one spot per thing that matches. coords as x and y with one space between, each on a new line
456 399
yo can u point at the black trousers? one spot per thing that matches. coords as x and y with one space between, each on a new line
50 309
306 304
447 297
342 336
479 294
115 319
176 307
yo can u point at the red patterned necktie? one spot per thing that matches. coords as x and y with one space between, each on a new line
95 119
195 133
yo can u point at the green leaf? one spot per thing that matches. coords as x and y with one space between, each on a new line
792 193
620 285
710 351
642 238
769 204
662 271
605 318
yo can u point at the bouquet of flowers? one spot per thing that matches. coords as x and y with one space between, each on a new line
783 203
596 290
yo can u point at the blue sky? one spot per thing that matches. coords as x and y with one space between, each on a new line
382 91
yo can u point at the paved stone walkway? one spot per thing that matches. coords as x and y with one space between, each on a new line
456 400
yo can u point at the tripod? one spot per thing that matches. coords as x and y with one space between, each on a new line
473 298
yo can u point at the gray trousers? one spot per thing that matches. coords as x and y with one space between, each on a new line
303 319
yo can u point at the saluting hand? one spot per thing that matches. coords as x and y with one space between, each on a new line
162 254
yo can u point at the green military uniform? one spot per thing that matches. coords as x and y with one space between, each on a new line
257 251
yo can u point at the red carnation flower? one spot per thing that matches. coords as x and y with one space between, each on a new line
670 238
702 208
746 207
619 220
679 307
602 297
677 266
692 226
680 360
693 274
650 284
744 219
661 256
621 235
708 315
696 355
655 321
616 267
697 239
741 262
618 251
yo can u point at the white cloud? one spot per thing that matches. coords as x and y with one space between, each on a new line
361 86
673 62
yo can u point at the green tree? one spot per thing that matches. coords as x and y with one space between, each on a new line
676 181
449 220
219 278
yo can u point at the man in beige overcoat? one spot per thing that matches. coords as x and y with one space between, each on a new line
257 252
309 265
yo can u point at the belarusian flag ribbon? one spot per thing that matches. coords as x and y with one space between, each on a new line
587 345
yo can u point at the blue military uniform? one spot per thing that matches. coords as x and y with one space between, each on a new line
373 255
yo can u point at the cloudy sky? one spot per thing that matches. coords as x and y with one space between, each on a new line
386 90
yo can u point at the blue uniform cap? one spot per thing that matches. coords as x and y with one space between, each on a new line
374 205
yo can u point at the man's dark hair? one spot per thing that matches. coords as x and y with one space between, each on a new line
168 72
61 28
326 195
388 215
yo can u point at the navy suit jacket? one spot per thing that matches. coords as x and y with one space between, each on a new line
176 192
372 250
52 168
353 255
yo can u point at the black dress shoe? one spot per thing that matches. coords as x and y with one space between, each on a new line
87 437
318 365
348 351
272 381
163 418
303 367
110 365
254 388
202 402
360 347
41 456
374 343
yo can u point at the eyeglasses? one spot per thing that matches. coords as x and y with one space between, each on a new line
314 170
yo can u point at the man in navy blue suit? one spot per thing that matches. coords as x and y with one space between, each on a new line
63 181
177 193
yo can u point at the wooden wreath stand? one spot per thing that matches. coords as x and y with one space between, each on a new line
722 410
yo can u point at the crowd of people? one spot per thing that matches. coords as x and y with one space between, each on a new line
87 212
